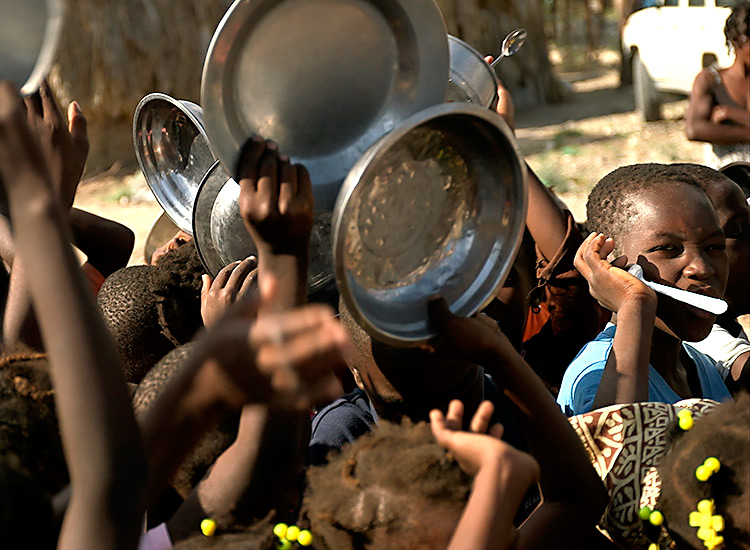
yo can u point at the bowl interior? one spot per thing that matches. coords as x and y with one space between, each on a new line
440 211
173 152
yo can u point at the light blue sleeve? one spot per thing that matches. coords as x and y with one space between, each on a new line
582 378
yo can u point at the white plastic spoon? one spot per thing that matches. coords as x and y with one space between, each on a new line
706 303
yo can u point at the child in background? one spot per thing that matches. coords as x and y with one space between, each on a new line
659 217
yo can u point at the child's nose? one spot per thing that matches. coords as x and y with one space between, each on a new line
699 266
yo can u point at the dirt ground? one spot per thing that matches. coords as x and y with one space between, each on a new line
570 146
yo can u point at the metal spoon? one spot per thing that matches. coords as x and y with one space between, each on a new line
512 43
706 303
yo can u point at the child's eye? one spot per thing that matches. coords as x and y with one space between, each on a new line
717 246
664 248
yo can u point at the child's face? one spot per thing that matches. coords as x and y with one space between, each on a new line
677 240
734 218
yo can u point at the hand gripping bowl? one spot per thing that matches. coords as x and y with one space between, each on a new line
325 79
220 235
437 206
29 33
173 151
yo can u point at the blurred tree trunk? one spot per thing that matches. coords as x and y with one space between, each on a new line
113 52
484 24
623 8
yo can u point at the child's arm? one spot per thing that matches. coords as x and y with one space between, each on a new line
276 204
625 376
703 124
502 475
99 433
64 147
573 495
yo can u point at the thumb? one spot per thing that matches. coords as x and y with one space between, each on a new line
206 286
77 123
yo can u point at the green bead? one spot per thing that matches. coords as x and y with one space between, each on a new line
283 544
656 518
644 513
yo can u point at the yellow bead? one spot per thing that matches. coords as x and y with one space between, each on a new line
686 423
702 473
713 464
706 506
684 412
644 513
292 533
717 522
280 530
283 544
695 519
656 518
208 527
653 546
305 538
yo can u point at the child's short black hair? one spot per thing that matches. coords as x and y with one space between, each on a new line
349 496
211 445
738 23
612 202
150 310
725 435
29 431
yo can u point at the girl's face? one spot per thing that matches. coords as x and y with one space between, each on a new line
734 218
677 239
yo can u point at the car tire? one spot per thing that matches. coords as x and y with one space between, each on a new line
646 97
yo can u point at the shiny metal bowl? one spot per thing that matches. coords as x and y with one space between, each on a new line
437 206
471 77
29 33
325 79
221 238
162 231
173 151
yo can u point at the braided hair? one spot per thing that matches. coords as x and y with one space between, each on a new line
723 434
738 24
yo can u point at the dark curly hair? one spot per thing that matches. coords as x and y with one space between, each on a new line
738 23
356 491
723 434
150 310
613 202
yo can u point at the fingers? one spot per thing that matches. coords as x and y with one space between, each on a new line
223 276
304 185
247 166
438 426
496 431
78 125
480 422
287 185
249 282
439 312
206 281
455 417
51 110
240 273
268 177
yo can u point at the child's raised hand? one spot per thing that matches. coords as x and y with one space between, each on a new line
478 448
276 199
609 283
470 338
231 283
21 160
65 143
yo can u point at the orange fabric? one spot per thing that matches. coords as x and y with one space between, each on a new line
96 279
535 321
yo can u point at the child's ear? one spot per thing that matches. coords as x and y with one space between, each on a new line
357 378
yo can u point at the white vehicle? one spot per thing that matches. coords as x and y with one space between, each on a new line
667 45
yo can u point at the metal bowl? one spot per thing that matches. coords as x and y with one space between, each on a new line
323 78
29 33
437 206
161 232
173 151
471 78
221 238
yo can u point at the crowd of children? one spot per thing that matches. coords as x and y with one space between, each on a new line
154 407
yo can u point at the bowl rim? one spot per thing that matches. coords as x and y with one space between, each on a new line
376 152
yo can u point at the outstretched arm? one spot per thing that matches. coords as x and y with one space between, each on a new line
572 493
99 433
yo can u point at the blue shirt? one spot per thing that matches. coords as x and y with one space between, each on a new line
581 380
